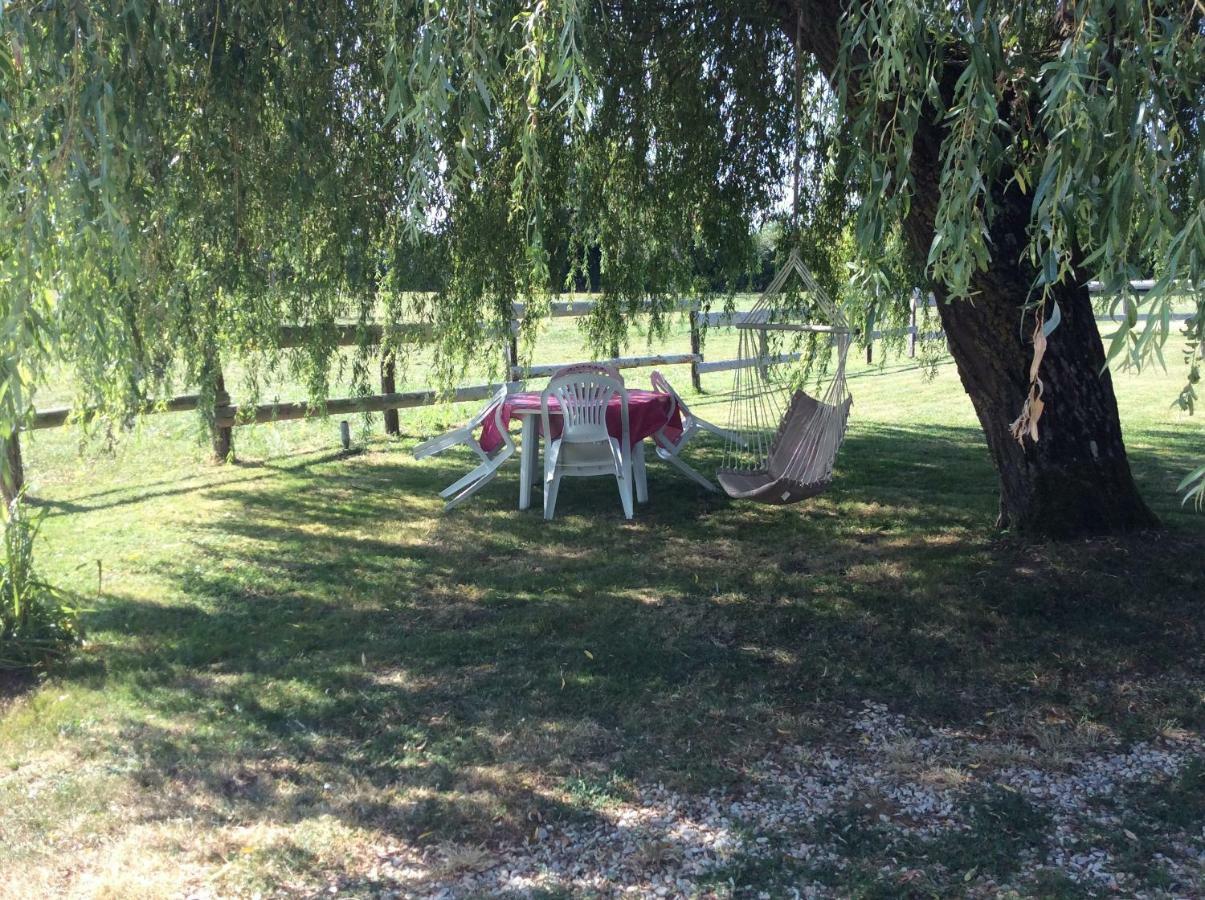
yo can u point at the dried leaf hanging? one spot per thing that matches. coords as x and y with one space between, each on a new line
1027 423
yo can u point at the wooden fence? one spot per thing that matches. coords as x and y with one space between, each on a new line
227 415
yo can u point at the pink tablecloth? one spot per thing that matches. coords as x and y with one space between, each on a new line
648 411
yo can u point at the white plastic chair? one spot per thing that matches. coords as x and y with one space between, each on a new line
469 484
585 447
668 449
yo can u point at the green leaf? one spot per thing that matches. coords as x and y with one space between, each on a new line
1056 316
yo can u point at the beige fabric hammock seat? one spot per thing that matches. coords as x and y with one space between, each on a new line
773 483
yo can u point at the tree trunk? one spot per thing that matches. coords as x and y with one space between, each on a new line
223 435
12 478
1075 480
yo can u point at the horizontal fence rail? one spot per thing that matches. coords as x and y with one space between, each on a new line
371 334
729 365
1146 317
302 409
619 362
227 416
58 416
563 309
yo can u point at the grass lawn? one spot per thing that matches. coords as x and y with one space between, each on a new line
302 677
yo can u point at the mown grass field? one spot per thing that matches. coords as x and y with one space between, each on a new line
297 664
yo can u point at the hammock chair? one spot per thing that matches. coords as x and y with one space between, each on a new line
782 450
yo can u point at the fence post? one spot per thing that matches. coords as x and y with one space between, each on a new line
223 435
512 352
763 353
869 347
13 479
389 386
912 323
695 345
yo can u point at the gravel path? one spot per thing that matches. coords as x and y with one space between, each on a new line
900 784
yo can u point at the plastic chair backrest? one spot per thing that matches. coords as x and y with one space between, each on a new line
490 408
662 386
508 443
583 398
597 368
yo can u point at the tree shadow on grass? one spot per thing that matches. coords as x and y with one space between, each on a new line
342 647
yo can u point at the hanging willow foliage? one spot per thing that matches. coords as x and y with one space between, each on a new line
179 179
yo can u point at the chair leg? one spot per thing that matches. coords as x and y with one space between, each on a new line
437 445
674 460
721 432
624 480
468 478
552 485
470 491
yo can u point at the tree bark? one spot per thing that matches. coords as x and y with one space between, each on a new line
1076 479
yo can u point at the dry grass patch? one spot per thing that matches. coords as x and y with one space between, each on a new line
539 743
994 755
881 572
944 777
455 859
1057 737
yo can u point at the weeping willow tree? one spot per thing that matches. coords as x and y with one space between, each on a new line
178 180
